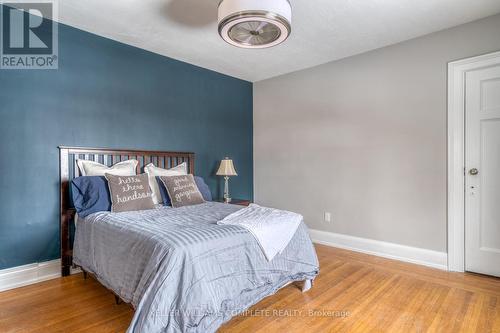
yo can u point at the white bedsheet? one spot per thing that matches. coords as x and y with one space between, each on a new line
272 228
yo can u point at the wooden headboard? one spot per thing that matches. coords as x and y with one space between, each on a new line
68 169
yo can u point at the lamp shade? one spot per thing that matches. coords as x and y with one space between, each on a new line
226 168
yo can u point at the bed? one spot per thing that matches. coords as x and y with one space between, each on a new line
179 269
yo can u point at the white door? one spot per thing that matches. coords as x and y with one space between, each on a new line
482 171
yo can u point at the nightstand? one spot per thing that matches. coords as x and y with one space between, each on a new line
241 202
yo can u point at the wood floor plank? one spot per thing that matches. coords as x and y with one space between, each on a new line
354 292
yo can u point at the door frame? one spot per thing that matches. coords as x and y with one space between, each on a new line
456 154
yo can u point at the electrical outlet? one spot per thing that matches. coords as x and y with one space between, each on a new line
328 217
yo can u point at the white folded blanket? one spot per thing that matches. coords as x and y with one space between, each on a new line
272 228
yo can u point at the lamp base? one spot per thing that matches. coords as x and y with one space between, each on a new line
227 199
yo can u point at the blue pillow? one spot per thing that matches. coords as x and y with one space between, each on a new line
90 194
202 186
163 192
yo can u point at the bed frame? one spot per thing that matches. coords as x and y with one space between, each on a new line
68 169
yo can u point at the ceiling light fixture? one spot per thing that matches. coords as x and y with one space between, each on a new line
255 23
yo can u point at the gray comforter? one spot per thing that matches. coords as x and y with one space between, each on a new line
180 270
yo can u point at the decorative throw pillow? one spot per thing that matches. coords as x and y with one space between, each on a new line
200 182
91 168
154 171
182 190
129 192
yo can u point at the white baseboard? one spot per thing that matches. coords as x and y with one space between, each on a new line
28 274
32 273
24 275
382 249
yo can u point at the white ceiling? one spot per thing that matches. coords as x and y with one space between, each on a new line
322 30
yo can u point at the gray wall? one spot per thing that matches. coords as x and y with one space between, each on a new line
365 138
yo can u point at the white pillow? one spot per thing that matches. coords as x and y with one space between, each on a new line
91 168
154 171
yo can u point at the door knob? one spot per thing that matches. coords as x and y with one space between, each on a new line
473 171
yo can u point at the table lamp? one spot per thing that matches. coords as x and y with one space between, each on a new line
226 169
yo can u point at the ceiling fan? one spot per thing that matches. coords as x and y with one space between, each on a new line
254 24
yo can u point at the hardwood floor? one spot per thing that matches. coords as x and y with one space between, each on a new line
353 293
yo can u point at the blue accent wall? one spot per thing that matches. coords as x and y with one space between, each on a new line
108 94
